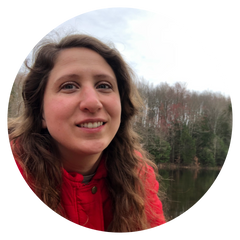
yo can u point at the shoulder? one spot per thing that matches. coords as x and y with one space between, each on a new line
146 172
138 153
153 205
149 169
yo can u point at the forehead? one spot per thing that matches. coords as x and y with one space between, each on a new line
71 55
79 59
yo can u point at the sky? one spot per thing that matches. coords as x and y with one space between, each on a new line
158 47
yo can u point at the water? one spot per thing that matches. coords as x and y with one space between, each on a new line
185 187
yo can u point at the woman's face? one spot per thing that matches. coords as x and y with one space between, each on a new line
81 104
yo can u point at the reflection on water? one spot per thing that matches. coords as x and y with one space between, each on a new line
185 187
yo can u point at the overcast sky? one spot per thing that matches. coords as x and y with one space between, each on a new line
161 48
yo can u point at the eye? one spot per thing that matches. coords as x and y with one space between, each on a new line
104 86
68 86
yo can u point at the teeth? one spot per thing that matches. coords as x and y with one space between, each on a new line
92 125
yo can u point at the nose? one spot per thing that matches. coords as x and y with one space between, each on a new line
89 100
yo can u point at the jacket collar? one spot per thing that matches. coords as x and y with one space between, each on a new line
77 177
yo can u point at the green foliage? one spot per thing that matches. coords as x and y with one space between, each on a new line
205 138
159 149
175 141
206 157
223 138
187 146
224 130
221 151
204 143
179 126
164 153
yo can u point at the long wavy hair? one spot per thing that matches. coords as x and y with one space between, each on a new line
39 156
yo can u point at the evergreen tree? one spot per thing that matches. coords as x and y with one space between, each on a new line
175 142
221 151
187 147
206 157
165 150
157 147
224 132
204 143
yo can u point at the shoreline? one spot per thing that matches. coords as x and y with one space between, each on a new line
173 166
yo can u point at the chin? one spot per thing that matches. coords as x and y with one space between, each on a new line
93 150
98 146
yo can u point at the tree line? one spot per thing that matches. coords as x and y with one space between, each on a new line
15 99
176 125
184 127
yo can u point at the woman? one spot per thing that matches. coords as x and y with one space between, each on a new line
74 143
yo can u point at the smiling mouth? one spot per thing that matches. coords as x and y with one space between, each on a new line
91 125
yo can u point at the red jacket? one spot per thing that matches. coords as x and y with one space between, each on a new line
89 204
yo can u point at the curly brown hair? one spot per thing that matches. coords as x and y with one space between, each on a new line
31 143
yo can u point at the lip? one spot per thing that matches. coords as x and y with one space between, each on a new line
91 130
91 120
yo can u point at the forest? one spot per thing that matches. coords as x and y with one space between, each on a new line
182 127
176 125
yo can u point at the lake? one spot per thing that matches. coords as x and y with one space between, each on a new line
184 187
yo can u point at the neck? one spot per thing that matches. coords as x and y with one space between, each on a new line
84 165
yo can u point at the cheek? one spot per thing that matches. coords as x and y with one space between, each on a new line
56 110
116 109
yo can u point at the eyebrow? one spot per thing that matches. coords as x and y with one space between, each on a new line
76 76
